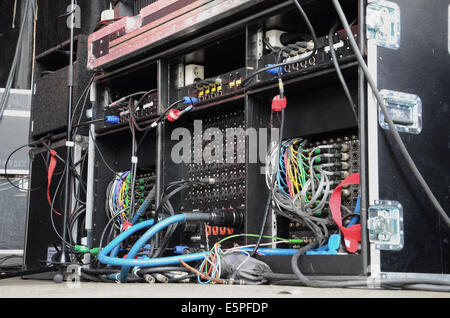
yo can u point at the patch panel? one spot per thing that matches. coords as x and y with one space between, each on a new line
228 191
229 187
119 191
320 60
147 109
217 87
145 180
349 163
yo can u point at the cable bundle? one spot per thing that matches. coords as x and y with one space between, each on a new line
216 264
301 184
119 197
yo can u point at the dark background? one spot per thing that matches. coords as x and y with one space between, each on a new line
50 31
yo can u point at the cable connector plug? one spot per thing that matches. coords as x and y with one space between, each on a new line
84 249
343 156
234 218
112 119
125 226
342 147
278 103
179 249
189 100
209 181
115 103
275 70
175 114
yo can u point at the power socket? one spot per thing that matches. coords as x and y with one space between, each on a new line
193 72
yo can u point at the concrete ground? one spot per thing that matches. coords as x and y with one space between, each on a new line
16 287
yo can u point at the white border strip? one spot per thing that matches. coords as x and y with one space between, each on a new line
11 252
13 171
17 91
16 113
372 148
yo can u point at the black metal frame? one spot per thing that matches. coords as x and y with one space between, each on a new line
305 94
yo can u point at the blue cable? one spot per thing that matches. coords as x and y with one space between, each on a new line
273 251
281 181
145 262
355 219
102 256
140 211
199 277
146 237
162 261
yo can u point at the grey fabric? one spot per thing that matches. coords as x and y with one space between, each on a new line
241 268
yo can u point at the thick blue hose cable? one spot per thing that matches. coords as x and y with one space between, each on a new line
148 200
146 237
273 251
140 211
102 256
355 219
115 251
152 262
163 261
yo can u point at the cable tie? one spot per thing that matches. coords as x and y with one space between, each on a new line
134 159
70 144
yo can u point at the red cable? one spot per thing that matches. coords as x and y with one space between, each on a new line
51 169
352 234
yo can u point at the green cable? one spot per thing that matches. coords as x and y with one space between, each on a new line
293 241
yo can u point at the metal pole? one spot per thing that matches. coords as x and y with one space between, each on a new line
69 143
90 172
363 140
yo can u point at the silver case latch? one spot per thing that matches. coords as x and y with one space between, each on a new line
385 225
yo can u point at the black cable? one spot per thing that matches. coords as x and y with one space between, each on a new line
308 23
133 170
52 212
99 271
84 95
167 206
81 183
339 72
165 241
181 278
133 109
269 196
165 198
106 227
9 157
75 217
161 269
158 249
93 278
358 281
122 99
41 141
5 258
423 284
278 65
89 122
104 161
157 121
387 116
